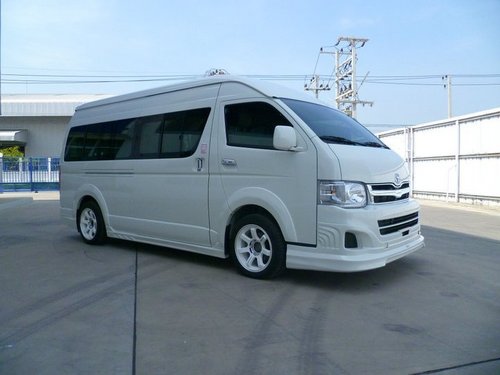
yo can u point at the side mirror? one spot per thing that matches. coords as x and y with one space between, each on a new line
284 138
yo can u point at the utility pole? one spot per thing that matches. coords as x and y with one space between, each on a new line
447 85
0 62
315 85
347 97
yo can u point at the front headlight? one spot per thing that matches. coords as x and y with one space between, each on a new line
342 193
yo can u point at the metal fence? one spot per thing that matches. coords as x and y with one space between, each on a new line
29 174
456 159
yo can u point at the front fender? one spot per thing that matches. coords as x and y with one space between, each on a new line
268 201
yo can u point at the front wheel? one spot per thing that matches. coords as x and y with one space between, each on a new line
91 223
257 247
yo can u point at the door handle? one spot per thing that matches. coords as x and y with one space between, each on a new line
229 162
199 164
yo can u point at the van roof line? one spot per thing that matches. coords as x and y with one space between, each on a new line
264 87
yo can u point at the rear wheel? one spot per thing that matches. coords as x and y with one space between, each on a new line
91 223
257 247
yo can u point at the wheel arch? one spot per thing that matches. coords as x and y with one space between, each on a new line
91 193
248 209
268 203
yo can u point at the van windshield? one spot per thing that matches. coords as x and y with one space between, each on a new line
333 126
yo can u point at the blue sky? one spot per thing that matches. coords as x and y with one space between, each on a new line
273 37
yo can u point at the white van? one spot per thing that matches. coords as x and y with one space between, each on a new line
231 167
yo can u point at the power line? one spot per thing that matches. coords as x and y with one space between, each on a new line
402 80
13 78
421 76
430 84
101 75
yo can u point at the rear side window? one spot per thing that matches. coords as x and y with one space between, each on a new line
182 132
149 131
169 135
252 124
75 144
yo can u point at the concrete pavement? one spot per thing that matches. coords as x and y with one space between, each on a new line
128 308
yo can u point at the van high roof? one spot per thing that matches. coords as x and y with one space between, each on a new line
266 88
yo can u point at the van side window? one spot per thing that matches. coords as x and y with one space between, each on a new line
108 141
252 124
150 128
123 141
94 148
182 132
169 135
75 144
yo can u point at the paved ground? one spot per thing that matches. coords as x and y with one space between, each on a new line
125 308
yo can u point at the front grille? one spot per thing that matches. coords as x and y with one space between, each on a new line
385 193
405 185
389 198
395 224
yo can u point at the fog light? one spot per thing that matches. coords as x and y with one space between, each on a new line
350 241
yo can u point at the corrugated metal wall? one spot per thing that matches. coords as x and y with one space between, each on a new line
455 159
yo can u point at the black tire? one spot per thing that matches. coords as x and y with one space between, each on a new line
91 223
257 247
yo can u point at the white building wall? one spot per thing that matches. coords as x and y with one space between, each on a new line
480 136
436 176
397 142
434 141
45 134
480 176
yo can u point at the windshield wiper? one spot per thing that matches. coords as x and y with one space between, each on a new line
345 141
335 139
373 144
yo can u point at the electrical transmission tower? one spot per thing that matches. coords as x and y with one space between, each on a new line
345 75
346 95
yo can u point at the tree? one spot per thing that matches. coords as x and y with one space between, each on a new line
12 151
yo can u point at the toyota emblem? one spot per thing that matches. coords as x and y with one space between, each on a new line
397 179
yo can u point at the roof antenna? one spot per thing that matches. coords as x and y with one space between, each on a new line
216 72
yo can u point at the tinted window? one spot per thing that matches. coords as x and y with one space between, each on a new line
104 141
93 144
182 132
252 124
124 136
333 126
75 144
149 136
170 135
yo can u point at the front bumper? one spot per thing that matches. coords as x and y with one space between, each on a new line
373 251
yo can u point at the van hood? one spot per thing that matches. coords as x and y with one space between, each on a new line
370 164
